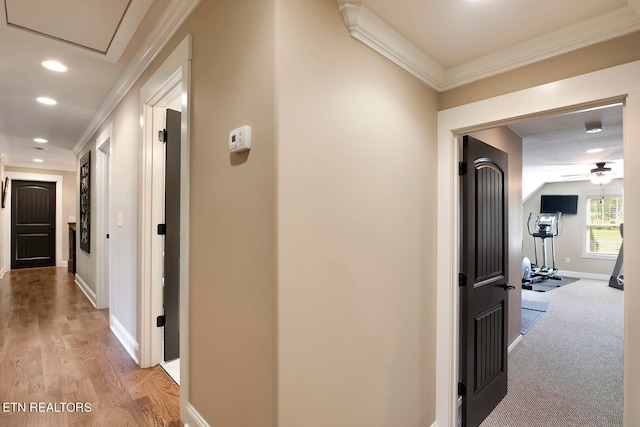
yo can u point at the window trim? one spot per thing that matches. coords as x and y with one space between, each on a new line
582 208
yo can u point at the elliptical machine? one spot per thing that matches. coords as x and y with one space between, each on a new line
546 227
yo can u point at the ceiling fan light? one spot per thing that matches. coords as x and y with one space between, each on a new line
600 178
593 127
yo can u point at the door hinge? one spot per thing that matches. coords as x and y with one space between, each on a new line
162 229
160 321
462 168
462 279
162 135
462 389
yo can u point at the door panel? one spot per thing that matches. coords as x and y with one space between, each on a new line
33 218
171 291
483 323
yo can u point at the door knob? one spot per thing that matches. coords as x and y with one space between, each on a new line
508 287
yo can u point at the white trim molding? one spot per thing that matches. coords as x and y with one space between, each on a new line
193 418
6 239
86 290
174 15
366 26
125 338
580 275
618 82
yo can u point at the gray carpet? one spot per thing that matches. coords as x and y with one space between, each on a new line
567 371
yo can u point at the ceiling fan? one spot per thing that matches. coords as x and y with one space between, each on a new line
599 175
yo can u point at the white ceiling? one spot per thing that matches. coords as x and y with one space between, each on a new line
454 41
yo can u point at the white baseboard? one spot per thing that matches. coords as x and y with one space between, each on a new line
515 343
64 264
2 271
579 275
194 419
91 295
125 338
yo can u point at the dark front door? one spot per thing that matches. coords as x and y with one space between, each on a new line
483 322
33 224
172 238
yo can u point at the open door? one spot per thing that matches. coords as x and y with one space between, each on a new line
483 280
171 290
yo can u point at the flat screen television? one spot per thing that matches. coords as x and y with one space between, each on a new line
554 203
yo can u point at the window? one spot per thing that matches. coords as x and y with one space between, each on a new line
604 216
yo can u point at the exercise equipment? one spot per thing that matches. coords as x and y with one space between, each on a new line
617 280
546 228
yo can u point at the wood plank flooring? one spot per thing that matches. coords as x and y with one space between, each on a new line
60 364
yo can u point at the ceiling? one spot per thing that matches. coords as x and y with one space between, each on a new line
444 43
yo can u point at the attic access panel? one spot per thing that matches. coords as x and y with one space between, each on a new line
91 24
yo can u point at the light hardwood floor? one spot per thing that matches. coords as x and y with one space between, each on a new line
58 358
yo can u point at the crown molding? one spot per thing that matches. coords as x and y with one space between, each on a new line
366 26
39 166
174 15
369 28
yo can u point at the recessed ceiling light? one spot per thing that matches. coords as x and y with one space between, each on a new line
594 150
40 140
38 160
54 66
47 101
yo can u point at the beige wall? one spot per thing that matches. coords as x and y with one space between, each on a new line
233 241
69 199
569 243
232 222
357 168
592 58
508 141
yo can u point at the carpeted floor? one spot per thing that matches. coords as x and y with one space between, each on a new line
568 369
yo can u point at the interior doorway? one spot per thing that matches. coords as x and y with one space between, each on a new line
593 89
33 224
6 213
168 87
103 264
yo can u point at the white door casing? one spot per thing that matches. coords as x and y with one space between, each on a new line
612 84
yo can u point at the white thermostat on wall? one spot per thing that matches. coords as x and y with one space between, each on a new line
240 139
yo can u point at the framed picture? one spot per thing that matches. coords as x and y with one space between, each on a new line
85 203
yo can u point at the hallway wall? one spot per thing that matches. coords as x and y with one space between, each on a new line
356 225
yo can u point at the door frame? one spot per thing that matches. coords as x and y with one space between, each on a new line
104 180
174 73
612 84
6 212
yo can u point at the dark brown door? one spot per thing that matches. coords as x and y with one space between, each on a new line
33 224
483 322
172 238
